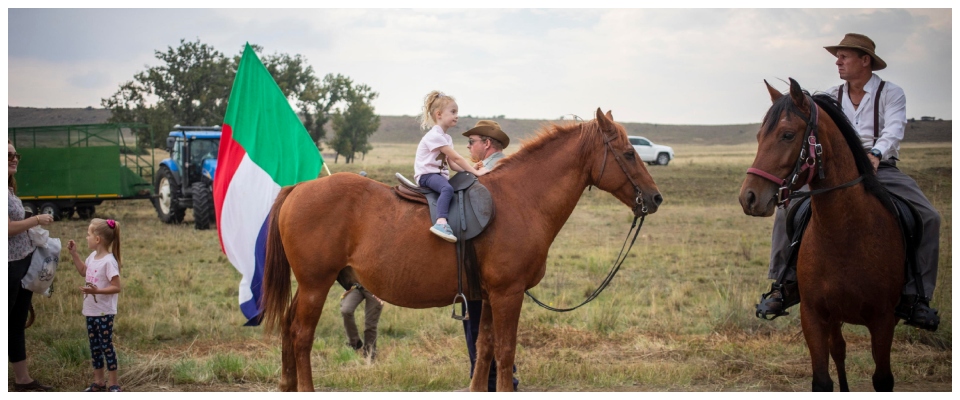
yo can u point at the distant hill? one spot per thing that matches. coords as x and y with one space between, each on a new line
406 129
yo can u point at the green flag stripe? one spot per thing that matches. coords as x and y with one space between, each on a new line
267 127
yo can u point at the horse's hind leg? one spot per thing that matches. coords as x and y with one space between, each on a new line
481 370
288 364
838 349
881 340
815 331
306 313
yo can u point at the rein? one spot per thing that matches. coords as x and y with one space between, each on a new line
810 159
613 272
622 256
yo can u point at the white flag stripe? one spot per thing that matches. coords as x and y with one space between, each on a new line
245 206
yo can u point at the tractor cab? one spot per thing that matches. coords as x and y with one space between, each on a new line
185 180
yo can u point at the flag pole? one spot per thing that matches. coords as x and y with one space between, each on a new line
327 168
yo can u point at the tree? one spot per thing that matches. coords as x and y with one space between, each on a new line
353 125
192 86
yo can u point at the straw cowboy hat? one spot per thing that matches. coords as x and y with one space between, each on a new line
491 129
862 43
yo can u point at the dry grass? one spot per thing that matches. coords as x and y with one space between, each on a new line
678 317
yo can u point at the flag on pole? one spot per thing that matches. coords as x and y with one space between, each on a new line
263 147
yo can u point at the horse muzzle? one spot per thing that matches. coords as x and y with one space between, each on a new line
758 203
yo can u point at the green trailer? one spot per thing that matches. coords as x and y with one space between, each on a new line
74 168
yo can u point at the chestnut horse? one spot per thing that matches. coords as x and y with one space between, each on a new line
321 227
850 266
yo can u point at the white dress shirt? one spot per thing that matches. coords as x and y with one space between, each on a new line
892 116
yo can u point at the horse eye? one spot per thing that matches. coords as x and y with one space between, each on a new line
628 155
789 136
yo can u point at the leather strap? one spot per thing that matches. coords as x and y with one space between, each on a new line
876 113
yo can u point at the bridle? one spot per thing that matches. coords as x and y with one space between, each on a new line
608 148
810 160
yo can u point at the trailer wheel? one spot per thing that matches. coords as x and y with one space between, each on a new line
29 209
203 211
166 203
66 212
50 209
86 212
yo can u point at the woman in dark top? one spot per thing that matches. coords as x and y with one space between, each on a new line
19 251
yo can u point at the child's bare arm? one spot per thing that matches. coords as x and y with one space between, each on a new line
457 162
113 287
77 262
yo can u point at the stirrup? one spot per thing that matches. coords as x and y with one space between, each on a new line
916 311
466 312
770 308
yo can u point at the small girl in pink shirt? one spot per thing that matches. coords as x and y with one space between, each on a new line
435 155
102 273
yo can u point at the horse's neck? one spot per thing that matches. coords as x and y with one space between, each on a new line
840 168
545 184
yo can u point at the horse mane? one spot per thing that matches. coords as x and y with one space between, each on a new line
546 134
832 107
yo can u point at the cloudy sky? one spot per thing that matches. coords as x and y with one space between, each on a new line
671 66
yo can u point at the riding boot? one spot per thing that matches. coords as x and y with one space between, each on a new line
916 311
774 303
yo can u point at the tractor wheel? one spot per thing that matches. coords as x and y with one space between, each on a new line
51 209
203 211
663 159
29 209
86 212
168 208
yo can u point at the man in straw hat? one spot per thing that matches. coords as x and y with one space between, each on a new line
486 142
877 110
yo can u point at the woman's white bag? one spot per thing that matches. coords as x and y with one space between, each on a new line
43 265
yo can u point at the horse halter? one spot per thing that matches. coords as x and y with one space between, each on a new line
638 200
811 158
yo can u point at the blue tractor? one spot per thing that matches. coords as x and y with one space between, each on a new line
185 180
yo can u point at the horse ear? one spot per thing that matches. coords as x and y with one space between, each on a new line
609 115
799 99
774 93
606 123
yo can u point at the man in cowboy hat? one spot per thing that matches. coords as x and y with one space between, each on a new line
486 142
877 110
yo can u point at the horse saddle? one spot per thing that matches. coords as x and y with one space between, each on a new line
907 215
470 211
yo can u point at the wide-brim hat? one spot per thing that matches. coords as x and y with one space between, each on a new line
491 129
859 42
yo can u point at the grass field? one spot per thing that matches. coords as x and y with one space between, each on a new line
678 317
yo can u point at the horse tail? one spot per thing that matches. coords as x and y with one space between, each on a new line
276 270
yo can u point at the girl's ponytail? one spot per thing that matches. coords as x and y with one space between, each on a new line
434 101
115 247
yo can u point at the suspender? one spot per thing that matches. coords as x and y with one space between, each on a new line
876 113
876 108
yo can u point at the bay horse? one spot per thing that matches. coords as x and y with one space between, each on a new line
850 266
321 227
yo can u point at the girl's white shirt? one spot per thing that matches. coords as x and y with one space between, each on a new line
99 273
429 159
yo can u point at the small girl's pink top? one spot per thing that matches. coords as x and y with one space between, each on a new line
428 154
99 273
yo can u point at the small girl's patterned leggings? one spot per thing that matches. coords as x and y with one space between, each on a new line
100 330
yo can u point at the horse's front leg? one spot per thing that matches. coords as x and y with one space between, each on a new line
485 340
816 332
506 316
